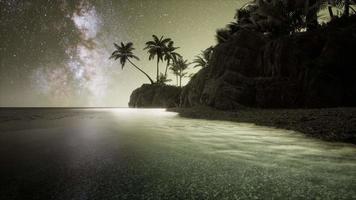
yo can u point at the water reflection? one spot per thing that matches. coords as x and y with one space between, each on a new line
157 154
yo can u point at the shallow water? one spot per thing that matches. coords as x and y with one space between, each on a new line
153 154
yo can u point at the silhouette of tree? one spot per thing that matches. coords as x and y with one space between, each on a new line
278 17
203 59
200 61
175 71
179 68
156 48
170 55
163 79
222 35
123 52
330 10
344 5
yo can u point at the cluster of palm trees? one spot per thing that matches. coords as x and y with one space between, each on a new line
281 17
178 67
342 6
163 50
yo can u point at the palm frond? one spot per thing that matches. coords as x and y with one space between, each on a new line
116 46
222 35
134 57
166 40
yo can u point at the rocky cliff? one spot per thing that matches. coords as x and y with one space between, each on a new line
309 69
155 96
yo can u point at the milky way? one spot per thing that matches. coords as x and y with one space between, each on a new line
85 63
55 52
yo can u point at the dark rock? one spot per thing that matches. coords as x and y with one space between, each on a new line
227 84
228 92
192 92
155 96
310 69
238 55
277 93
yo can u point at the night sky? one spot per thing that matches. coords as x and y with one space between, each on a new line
55 52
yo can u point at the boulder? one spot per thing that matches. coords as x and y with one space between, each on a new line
155 96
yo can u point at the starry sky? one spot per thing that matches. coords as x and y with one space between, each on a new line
55 52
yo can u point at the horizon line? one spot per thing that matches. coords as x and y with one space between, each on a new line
63 107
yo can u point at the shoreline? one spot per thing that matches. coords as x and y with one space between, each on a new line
329 124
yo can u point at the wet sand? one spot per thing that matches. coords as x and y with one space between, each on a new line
330 124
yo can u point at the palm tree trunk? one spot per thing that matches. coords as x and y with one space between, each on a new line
353 10
157 69
331 12
347 8
177 79
141 71
330 4
180 81
165 73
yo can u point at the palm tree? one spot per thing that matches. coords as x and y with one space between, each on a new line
178 69
156 47
170 55
124 53
163 79
203 59
222 35
280 16
346 7
343 6
200 61
330 5
175 71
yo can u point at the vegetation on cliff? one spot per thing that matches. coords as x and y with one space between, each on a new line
276 53
259 61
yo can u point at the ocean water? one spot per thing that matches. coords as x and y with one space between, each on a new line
154 154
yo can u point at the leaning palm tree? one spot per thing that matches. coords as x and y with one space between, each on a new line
156 48
123 52
170 55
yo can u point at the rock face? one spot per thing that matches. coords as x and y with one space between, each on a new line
311 69
155 96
